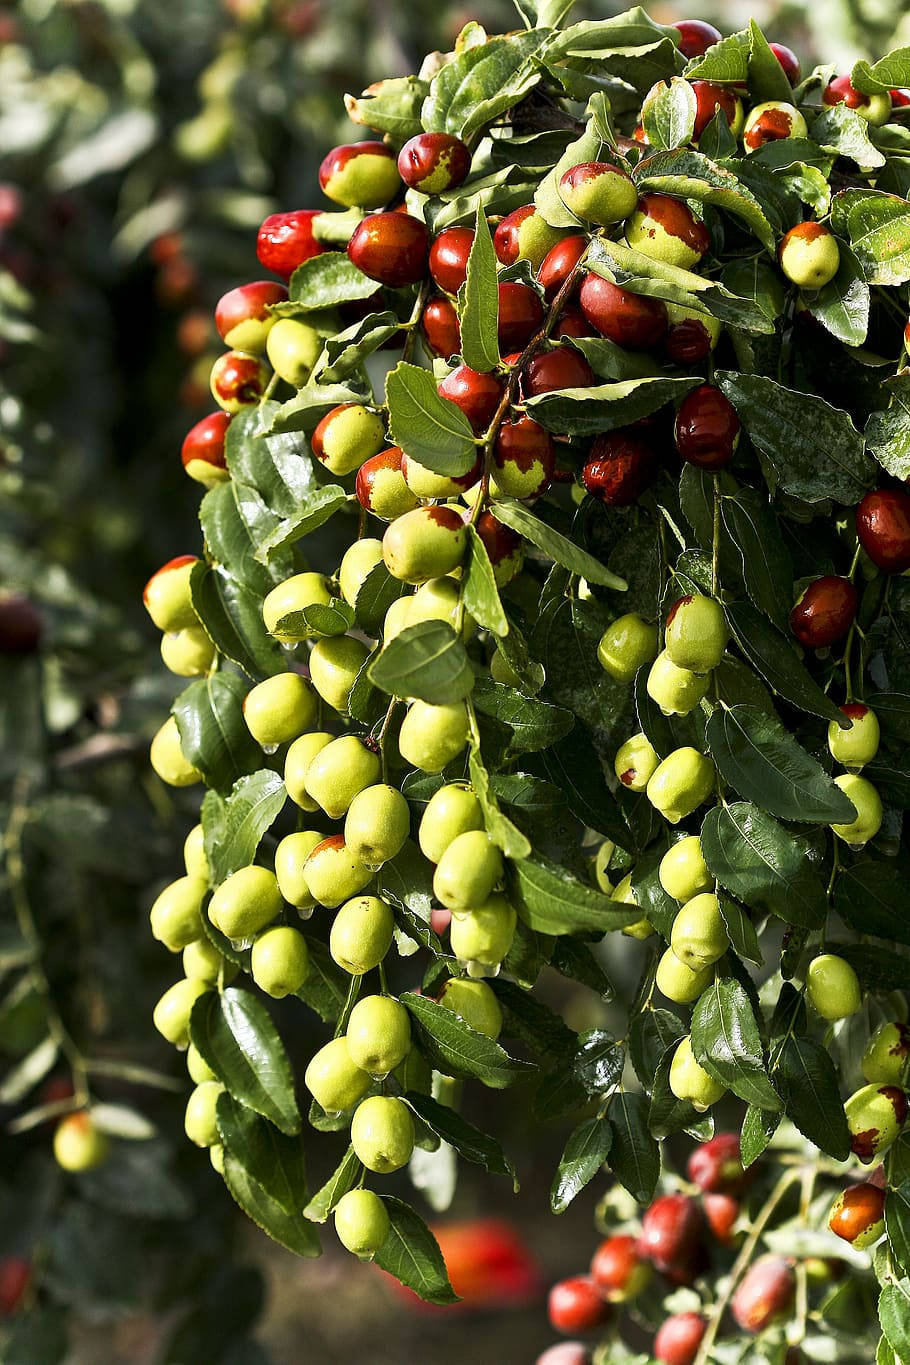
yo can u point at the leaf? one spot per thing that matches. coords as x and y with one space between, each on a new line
319 619
534 724
879 969
598 1061
390 106
33 1067
549 899
669 116
427 661
500 828
238 1040
878 227
809 1085
692 175
348 349
727 60
843 305
469 1142
411 1253
767 568
478 310
759 862
605 407
575 960
529 1019
272 1159
556 546
870 895
304 412
375 595
767 79
312 512
235 825
894 1315
583 1156
762 761
584 788
456 1049
326 987
290 1230
889 72
232 617
772 655
887 431
481 83
759 1127
343 1178
652 1032
213 734
897 1224
327 280
740 931
844 131
479 590
544 13
634 1154
429 428
727 1043
814 449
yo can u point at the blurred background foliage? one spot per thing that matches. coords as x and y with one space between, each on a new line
141 143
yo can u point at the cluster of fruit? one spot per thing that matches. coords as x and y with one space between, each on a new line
692 1235
562 317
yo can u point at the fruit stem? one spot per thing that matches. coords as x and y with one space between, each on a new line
784 1184
715 539
16 872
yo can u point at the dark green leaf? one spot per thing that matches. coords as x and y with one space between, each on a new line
878 226
376 594
426 661
894 1315
290 1230
575 960
692 175
343 1178
234 825
634 1154
272 1159
604 407
428 427
740 931
726 1041
651 1033
757 860
669 114
312 511
478 307
767 568
469 1142
887 431
479 590
583 1156
808 1082
843 305
772 655
534 724
556 546
456 1049
762 761
411 1253
598 1061
213 734
759 1127
870 895
897 1225
481 83
502 831
318 619
551 900
328 279
238 1040
232 616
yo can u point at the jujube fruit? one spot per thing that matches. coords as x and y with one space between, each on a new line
695 36
280 961
678 982
634 321
202 452
245 902
279 709
523 459
699 935
79 1145
361 1223
474 1003
171 1015
858 1215
378 1034
194 859
238 381
809 255
293 595
199 1121
824 612
875 109
391 248
627 644
242 315
883 528
381 487
716 1166
166 596
772 121
667 230
286 240
707 428
293 347
434 162
357 562
334 665
333 1079
561 368
176 915
347 436
575 1305
297 764
290 858
683 872
426 543
377 824
635 762
598 192
440 326
618 1269
684 779
382 1133
788 60
359 175
868 805
875 1116
859 744
521 314
339 772
450 811
524 234
188 652
695 633
765 1294
833 987
678 1338
478 395
886 1053
168 759
671 1229
482 936
620 466
690 1082
559 263
468 870
708 99
332 873
361 934
432 736
676 690
448 259
202 960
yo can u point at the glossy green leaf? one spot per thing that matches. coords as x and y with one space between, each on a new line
345 1177
213 734
274 1160
411 1253
634 1154
427 661
583 1156
328 279
549 899
762 864
234 825
772 655
469 1142
727 1043
808 1081
479 590
478 305
290 1230
456 1049
428 427
558 547
238 1040
534 724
